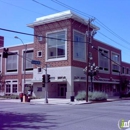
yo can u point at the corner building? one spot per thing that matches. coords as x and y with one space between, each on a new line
67 58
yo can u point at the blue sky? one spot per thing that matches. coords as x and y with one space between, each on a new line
114 14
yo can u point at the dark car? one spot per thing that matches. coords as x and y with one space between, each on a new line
127 94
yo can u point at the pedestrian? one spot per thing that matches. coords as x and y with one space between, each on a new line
21 97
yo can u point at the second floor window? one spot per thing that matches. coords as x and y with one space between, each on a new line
56 47
123 70
11 63
29 57
115 63
103 60
79 47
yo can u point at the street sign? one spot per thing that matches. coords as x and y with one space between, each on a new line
35 62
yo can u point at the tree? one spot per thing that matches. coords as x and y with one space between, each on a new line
2 82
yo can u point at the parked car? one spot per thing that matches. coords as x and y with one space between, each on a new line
127 94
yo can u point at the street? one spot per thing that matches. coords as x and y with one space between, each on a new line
97 116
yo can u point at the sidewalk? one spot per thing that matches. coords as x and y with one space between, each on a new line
56 101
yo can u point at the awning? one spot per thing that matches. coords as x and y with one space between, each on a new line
52 81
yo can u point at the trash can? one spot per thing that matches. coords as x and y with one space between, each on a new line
72 98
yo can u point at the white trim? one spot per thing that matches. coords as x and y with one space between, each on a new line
74 30
38 53
60 16
12 73
103 71
46 52
11 85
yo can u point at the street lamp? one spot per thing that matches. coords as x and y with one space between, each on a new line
25 45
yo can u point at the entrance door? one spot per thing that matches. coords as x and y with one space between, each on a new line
62 90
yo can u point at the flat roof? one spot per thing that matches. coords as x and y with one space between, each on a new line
60 16
17 45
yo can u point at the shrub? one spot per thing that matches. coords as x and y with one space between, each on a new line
10 96
98 96
81 95
93 96
90 95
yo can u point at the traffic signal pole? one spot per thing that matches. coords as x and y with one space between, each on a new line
46 85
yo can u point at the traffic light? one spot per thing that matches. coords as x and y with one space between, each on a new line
43 79
48 78
5 52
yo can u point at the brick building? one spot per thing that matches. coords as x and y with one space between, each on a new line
65 58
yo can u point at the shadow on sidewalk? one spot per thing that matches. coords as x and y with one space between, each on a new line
10 121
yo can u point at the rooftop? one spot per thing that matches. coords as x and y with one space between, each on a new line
60 16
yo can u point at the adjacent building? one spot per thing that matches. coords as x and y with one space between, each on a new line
60 42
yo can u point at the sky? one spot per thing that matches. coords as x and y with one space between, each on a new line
111 16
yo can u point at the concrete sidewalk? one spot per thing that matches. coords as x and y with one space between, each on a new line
56 101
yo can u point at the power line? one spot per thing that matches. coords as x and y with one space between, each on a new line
45 5
62 4
76 10
53 38
67 6
20 7
99 22
114 41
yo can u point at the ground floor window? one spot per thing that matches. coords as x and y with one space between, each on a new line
8 88
14 88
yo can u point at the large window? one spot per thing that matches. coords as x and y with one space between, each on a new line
115 63
79 51
29 57
14 88
8 88
103 60
55 46
11 62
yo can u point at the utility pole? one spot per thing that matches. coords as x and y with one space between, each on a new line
88 32
46 85
24 61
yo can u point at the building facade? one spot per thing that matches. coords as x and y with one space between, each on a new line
60 42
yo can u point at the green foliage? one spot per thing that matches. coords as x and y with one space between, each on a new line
12 96
81 95
93 96
98 96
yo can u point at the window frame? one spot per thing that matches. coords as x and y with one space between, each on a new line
74 58
123 70
112 63
56 59
15 72
103 70
38 53
27 71
40 38
38 70
16 87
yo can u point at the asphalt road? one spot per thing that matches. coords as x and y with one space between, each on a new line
98 116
